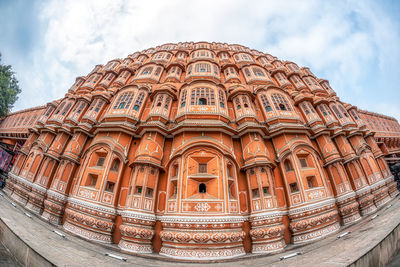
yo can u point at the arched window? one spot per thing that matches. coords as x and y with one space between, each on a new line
266 104
280 102
124 100
202 188
183 98
202 96
139 101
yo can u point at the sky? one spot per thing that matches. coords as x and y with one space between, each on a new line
353 44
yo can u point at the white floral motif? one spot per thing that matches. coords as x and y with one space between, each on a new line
202 207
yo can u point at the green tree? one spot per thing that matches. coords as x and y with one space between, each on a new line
9 89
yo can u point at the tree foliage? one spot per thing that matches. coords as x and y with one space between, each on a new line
9 88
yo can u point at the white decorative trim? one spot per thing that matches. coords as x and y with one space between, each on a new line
90 205
363 190
204 219
57 195
314 235
39 188
87 234
202 254
375 185
313 206
20 179
352 219
137 215
346 196
267 215
134 247
269 247
389 179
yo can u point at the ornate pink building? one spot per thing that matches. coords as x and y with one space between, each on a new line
202 151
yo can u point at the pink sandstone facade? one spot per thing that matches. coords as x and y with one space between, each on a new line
202 151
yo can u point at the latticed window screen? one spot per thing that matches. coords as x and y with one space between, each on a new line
335 109
258 72
66 109
147 71
158 71
280 102
138 101
354 114
167 101
221 96
305 108
237 102
266 104
81 107
183 98
215 69
98 106
202 67
159 100
344 111
198 95
310 107
247 72
245 102
60 108
33 119
325 110
124 101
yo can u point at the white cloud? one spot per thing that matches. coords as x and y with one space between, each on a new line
338 40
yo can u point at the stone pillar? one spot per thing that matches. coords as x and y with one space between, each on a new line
57 194
341 183
138 218
363 190
267 229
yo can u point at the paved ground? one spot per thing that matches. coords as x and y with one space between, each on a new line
5 258
74 251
